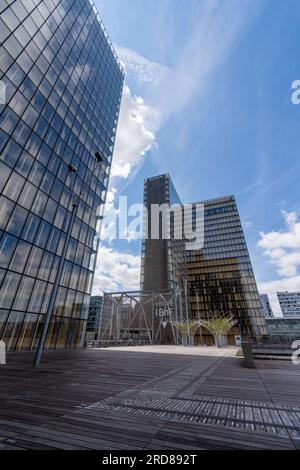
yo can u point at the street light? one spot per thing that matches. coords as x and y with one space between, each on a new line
199 318
72 170
187 309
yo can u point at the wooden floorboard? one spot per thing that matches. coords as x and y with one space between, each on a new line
154 398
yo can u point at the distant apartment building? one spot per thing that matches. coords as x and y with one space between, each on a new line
219 275
94 317
268 312
63 92
289 303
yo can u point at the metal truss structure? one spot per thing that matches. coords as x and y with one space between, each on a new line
142 316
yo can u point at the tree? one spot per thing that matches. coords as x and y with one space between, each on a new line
187 330
218 325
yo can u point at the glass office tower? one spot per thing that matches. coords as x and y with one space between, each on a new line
221 277
94 317
63 92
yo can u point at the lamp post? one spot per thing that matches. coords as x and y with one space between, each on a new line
198 311
42 340
187 310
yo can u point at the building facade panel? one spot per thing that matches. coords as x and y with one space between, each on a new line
220 274
284 328
289 303
94 317
163 259
267 309
63 91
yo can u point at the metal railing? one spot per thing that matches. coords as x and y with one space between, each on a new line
90 344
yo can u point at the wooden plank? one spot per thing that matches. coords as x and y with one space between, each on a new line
153 396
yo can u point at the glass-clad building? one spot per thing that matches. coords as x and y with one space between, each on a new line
163 263
94 317
215 273
285 328
63 91
221 277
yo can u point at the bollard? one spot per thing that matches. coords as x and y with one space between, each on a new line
248 356
2 353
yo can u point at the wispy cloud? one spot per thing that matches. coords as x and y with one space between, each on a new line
215 29
139 69
282 249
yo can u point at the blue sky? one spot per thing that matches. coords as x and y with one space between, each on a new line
208 100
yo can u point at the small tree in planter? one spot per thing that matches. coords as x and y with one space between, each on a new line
219 325
187 331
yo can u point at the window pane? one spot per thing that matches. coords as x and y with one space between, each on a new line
52 333
12 330
37 297
20 256
7 246
30 228
27 331
8 290
3 318
14 186
63 333
4 175
34 260
17 220
24 293
6 208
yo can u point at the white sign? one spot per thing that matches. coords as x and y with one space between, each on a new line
164 309
296 354
2 353
2 92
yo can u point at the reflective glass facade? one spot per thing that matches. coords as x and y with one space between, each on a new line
63 93
94 316
221 277
287 328
163 261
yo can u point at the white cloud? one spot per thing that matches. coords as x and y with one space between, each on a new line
139 68
247 223
214 31
116 271
134 136
283 247
291 284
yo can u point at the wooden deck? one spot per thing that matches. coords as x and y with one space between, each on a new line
150 398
